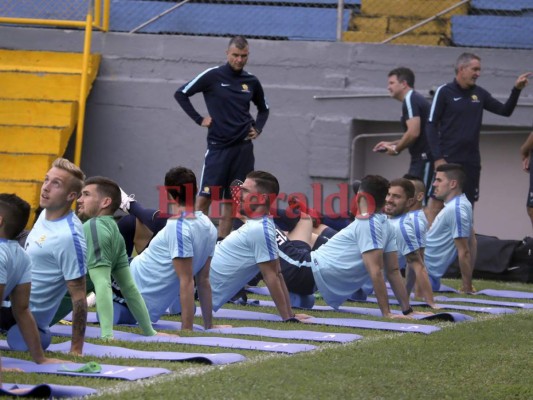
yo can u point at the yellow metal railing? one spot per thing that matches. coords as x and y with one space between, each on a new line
97 17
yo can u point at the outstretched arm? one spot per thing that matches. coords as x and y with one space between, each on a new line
20 300
183 268
77 290
204 294
273 279
396 281
465 263
373 261
415 265
507 109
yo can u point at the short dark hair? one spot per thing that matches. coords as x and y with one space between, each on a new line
406 185
265 181
420 186
15 212
455 172
404 74
107 188
464 59
180 183
239 42
377 186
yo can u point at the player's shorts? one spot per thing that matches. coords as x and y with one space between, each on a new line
223 166
324 236
424 170
295 260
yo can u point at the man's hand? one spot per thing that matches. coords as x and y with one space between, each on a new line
302 317
253 134
206 122
525 163
522 80
386 147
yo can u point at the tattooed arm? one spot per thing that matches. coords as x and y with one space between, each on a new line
77 290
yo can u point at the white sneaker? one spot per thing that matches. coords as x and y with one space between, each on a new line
91 300
126 199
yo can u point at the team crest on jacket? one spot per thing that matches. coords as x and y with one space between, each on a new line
245 87
474 99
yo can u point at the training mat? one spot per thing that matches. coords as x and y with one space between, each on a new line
94 333
485 302
375 312
510 294
96 350
353 323
292 334
488 310
262 290
46 391
272 333
128 373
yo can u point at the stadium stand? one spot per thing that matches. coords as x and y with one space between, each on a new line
511 28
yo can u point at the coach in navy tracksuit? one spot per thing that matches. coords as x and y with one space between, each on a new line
228 91
415 112
456 115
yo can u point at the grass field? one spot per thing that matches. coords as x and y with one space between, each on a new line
490 357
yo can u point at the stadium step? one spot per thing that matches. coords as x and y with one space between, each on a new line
38 114
34 139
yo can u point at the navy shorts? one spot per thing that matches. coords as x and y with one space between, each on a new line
323 238
299 279
222 166
424 170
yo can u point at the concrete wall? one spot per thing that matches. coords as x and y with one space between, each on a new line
135 130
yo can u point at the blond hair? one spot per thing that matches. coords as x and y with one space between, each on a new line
75 172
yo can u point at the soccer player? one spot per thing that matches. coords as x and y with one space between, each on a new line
15 275
252 248
448 236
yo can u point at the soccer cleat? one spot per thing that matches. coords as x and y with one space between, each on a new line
126 199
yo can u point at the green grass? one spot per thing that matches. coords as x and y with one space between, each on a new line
488 358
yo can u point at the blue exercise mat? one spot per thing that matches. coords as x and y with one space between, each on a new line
253 331
96 350
488 310
129 373
509 294
262 290
273 333
353 323
45 390
375 312
485 302
94 333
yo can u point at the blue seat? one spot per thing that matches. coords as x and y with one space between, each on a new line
499 5
295 23
493 31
